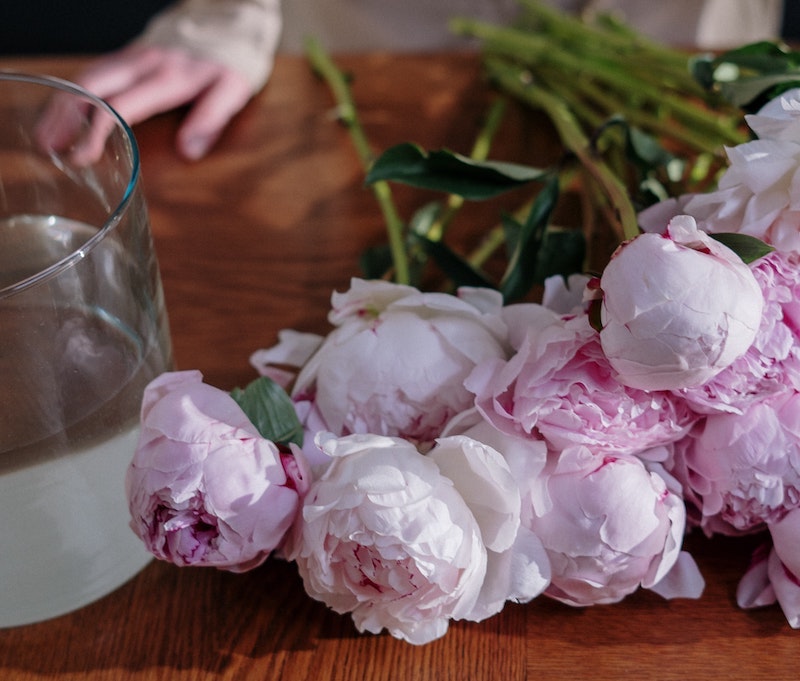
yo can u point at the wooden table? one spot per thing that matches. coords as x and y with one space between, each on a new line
253 239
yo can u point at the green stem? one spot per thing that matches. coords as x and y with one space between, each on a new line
534 50
573 139
483 142
347 114
608 35
480 152
576 94
582 108
493 240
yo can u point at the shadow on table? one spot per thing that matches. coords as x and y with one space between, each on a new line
201 623
184 619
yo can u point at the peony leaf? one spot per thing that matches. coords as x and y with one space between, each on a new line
457 269
450 172
747 247
562 252
750 75
643 149
652 164
375 261
744 91
425 217
270 410
521 273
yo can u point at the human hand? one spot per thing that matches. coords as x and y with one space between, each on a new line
140 81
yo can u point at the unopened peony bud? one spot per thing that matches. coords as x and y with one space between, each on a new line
677 309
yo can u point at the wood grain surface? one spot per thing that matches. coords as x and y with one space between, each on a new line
253 239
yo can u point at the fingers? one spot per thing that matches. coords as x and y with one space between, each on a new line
121 70
71 126
142 81
147 81
211 113
73 130
89 148
175 80
60 123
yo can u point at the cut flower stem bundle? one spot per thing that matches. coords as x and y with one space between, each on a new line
584 72
612 70
637 124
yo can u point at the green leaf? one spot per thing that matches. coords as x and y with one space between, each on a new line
749 75
646 150
763 56
747 247
520 274
271 411
649 162
456 268
745 91
375 261
512 232
449 172
562 252
641 148
425 217
702 69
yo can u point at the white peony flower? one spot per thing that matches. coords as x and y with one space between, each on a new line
407 542
758 192
396 362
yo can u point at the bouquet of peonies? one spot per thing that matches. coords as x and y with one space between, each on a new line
437 455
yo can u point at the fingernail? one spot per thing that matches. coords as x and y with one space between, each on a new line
195 147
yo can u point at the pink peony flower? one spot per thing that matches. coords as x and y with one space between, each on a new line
771 365
755 195
588 510
677 309
520 318
785 584
774 571
565 296
785 534
754 589
406 542
654 219
396 363
204 488
609 526
561 387
743 471
784 565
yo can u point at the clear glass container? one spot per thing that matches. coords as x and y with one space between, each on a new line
83 329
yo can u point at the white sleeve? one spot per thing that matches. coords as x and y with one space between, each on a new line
703 24
242 34
721 26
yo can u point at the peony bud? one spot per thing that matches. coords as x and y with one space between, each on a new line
677 309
